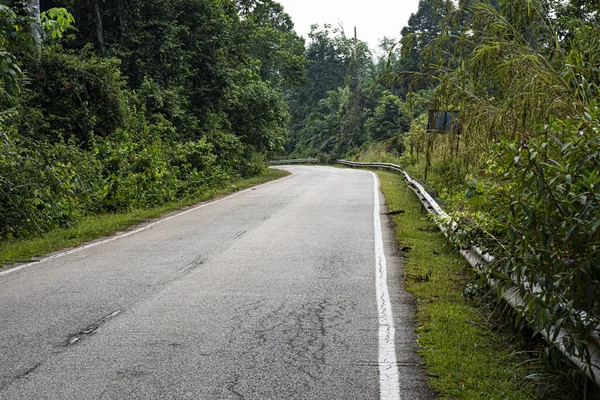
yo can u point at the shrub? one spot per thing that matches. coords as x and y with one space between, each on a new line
543 225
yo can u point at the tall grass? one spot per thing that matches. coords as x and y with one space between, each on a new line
524 170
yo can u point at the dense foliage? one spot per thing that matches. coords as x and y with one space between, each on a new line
106 106
523 171
527 87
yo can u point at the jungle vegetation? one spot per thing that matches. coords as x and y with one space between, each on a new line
111 105
519 171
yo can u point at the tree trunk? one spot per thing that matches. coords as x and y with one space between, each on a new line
35 28
99 31
122 27
356 96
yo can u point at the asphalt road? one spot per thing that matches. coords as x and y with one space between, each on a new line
273 293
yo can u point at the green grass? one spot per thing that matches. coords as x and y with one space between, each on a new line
466 356
96 226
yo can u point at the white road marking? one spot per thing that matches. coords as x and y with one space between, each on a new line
389 381
133 232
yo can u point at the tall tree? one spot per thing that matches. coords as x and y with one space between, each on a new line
328 54
267 35
418 56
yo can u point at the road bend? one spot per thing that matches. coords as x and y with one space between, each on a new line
289 290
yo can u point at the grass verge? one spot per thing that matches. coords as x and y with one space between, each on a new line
466 355
96 226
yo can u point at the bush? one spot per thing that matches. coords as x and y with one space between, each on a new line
543 225
45 186
73 95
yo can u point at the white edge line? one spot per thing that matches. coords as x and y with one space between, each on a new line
389 380
138 230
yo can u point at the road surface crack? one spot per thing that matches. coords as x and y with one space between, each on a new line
231 386
189 267
90 329
21 375
238 235
294 336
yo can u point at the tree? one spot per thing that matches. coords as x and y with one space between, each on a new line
390 118
413 71
336 64
329 54
267 34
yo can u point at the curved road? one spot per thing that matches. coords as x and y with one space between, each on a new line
277 292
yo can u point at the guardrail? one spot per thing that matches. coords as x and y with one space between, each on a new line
478 260
295 161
